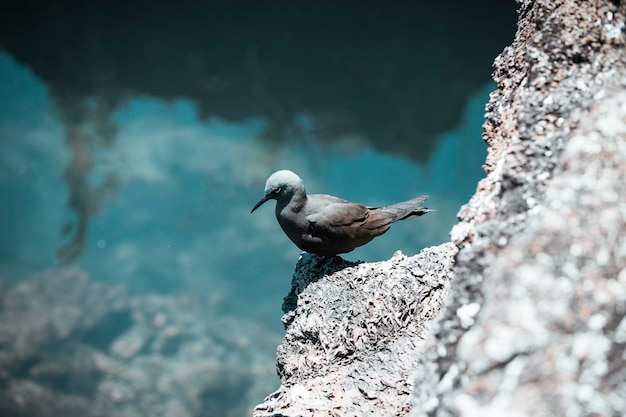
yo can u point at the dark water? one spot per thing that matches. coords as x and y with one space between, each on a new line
135 137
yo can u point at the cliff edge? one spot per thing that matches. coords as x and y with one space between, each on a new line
534 320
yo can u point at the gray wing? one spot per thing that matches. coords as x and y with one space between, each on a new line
344 220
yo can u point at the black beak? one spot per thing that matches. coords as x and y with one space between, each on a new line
260 203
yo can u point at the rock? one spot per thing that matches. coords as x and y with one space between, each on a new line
72 347
28 399
353 335
53 308
177 357
542 249
535 320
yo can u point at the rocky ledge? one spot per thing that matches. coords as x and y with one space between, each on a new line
534 320
353 331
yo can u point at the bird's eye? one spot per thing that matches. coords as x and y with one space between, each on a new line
276 190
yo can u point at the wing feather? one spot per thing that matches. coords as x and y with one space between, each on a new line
348 221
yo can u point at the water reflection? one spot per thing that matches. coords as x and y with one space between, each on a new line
166 205
136 154
391 73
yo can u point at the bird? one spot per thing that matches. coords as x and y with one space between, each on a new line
326 225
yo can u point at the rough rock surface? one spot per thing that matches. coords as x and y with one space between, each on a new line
534 323
72 347
352 336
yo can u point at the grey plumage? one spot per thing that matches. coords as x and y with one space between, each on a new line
327 225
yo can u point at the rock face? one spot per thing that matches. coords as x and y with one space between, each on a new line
351 339
534 322
542 249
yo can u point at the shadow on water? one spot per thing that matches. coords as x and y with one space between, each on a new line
393 72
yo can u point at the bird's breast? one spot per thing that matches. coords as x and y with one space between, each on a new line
293 227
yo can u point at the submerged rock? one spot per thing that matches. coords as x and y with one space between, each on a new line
72 347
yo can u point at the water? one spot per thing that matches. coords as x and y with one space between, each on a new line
178 219
151 192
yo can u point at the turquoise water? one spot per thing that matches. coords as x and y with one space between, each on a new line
178 221
179 218
151 192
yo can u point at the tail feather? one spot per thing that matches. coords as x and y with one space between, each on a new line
407 209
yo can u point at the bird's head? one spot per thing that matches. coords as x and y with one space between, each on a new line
281 186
